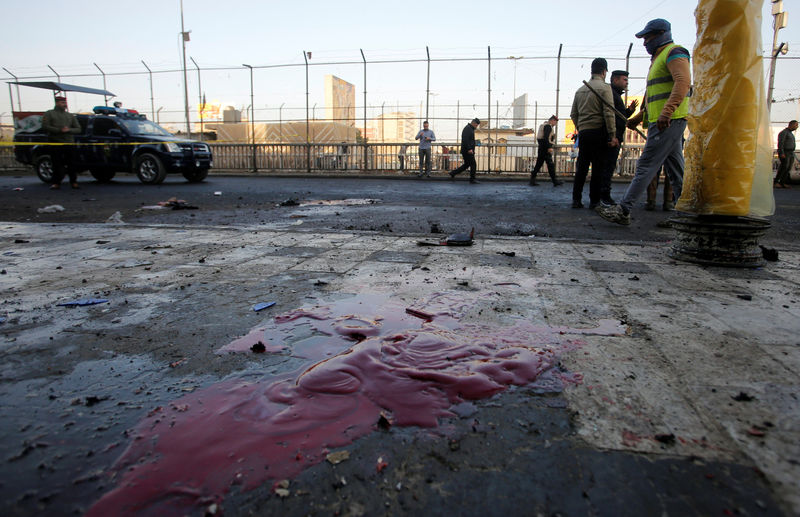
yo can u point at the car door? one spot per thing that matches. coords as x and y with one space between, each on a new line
107 138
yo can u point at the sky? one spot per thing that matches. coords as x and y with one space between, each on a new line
77 37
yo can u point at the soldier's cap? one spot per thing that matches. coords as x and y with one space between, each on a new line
657 25
619 73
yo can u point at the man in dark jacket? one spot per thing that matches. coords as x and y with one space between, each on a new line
60 126
546 138
619 84
468 151
786 148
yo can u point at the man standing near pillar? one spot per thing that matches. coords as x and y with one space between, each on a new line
546 138
468 151
594 120
666 106
619 84
786 148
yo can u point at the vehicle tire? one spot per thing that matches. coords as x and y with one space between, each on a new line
149 169
43 164
102 175
195 175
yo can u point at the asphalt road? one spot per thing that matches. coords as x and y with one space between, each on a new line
403 205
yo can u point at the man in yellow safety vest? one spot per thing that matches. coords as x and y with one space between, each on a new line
665 108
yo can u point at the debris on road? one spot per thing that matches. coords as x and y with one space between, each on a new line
217 193
507 253
419 314
289 202
743 397
746 297
82 302
460 239
281 488
337 457
769 254
116 218
380 464
258 348
262 305
50 209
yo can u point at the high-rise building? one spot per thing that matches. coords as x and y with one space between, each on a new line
340 101
398 126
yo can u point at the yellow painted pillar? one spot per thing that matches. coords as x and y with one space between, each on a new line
729 150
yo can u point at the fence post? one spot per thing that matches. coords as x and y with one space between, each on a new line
308 143
19 103
366 161
152 104
489 112
558 92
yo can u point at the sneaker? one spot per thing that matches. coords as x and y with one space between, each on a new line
613 214
669 206
558 183
650 205
474 181
533 183
452 175
577 204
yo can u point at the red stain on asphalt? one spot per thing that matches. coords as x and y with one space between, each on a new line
364 357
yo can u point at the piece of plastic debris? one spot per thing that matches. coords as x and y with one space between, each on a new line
507 253
2 319
116 217
746 297
384 422
259 348
177 204
177 363
419 314
281 488
263 305
50 209
21 241
380 465
665 438
289 202
82 302
217 193
337 457
743 397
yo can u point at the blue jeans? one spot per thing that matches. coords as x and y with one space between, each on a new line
662 148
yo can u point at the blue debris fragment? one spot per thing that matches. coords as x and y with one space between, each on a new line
82 302
263 305
2 319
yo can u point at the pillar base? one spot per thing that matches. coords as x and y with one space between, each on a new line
714 240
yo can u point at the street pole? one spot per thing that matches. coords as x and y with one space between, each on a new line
200 102
280 133
252 118
184 39
489 110
152 105
779 21
558 92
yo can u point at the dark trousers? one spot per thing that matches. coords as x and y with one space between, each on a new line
425 158
612 154
592 145
61 156
784 169
469 163
544 157
402 161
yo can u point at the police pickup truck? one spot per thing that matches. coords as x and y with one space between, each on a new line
114 140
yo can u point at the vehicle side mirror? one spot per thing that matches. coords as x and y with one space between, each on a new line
114 132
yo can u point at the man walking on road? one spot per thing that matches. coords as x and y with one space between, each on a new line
619 84
546 138
594 120
666 106
425 137
60 126
468 151
786 148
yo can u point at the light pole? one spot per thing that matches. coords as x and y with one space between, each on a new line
252 117
779 21
184 39
158 114
201 102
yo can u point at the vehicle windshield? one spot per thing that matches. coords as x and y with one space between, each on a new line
144 127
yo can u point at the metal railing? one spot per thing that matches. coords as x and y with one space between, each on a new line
491 158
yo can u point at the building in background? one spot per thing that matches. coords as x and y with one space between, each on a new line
340 101
519 110
398 126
